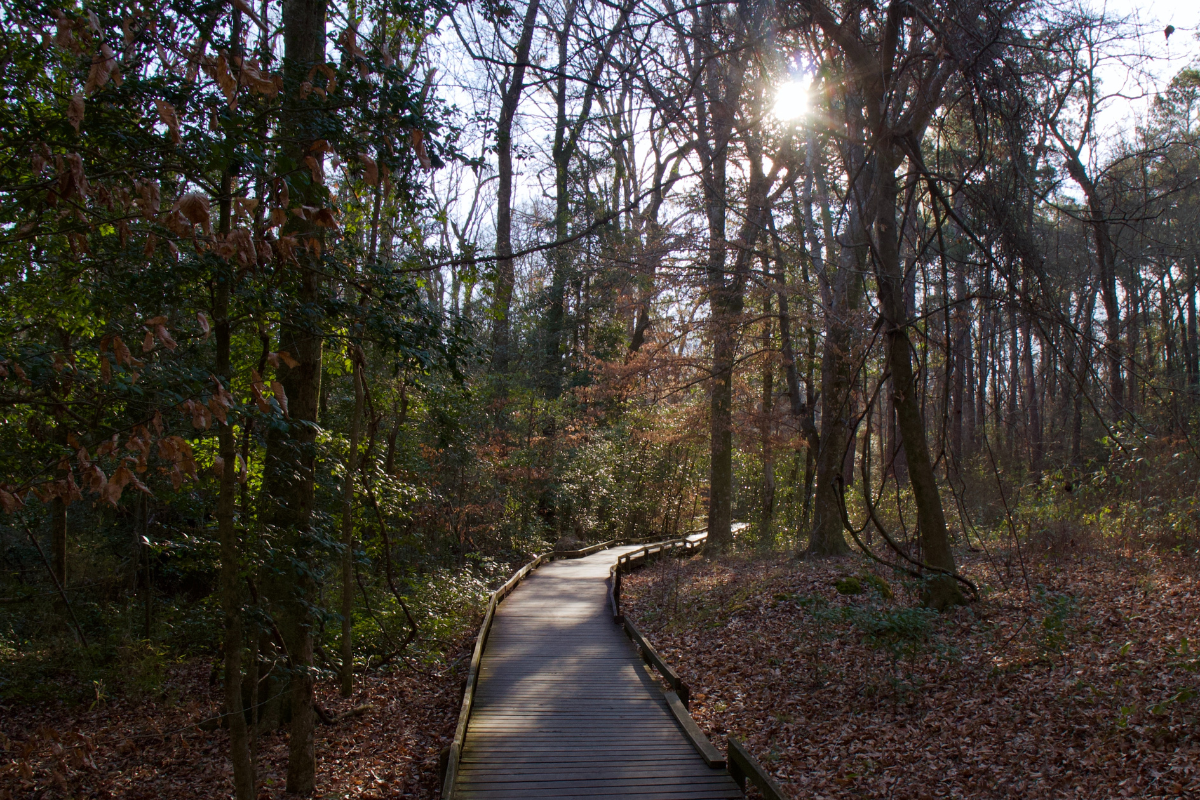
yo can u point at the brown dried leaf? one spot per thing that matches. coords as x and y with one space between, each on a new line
124 357
202 318
219 70
314 166
103 65
194 206
64 35
168 117
245 207
217 409
149 197
165 337
108 446
324 218
111 493
280 396
418 143
370 169
244 7
256 389
10 502
94 478
286 246
74 113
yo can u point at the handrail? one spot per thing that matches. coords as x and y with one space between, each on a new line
464 713
742 765
677 699
651 656
689 542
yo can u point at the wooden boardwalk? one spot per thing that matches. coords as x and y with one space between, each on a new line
565 708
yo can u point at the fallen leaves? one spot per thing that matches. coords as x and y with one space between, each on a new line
385 745
1020 696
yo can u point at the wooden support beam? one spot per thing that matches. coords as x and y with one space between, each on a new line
711 755
743 767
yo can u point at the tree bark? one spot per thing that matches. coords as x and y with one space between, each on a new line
942 591
766 525
288 477
347 665
505 271
840 292
230 568
58 539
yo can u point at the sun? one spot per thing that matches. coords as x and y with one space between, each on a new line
791 100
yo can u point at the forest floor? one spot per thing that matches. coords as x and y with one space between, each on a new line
152 747
1082 682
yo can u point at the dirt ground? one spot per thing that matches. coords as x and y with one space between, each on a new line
1080 681
153 748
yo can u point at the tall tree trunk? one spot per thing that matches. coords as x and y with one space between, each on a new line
1032 402
566 144
561 256
505 274
58 539
719 93
840 291
347 676
1106 262
1193 336
959 365
766 525
985 367
289 470
230 578
942 591
1014 382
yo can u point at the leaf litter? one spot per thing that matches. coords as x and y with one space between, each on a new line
386 746
1086 684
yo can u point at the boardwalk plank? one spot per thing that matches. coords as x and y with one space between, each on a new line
565 708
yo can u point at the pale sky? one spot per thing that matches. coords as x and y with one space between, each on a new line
1167 56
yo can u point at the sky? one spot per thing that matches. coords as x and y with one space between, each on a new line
1167 56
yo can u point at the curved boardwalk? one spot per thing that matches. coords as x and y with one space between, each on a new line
564 706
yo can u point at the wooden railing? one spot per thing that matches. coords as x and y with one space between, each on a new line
630 560
741 765
450 771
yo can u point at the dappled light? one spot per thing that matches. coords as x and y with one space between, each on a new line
353 356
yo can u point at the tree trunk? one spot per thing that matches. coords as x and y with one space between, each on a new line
958 366
230 577
839 293
288 476
942 591
58 539
766 525
1193 336
1034 428
505 274
347 676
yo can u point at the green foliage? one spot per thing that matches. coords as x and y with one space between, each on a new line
849 585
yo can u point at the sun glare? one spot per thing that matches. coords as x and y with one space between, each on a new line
791 100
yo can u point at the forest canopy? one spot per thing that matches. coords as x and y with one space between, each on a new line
316 319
